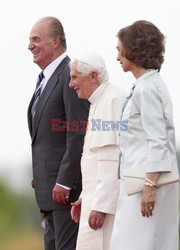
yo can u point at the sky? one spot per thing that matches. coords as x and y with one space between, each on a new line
89 25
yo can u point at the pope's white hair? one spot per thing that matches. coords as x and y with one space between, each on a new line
85 69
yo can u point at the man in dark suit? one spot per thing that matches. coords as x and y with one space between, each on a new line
56 142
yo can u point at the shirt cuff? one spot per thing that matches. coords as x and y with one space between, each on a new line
68 188
159 166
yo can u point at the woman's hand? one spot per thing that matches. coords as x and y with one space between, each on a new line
148 201
149 194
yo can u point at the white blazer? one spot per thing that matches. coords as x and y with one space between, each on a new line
150 137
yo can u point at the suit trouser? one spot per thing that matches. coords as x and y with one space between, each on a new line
60 230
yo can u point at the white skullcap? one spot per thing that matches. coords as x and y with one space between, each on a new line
92 58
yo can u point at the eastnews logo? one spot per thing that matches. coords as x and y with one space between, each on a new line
96 125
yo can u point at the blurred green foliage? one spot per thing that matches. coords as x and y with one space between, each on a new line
19 217
20 220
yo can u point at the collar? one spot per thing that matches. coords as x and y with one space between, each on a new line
49 70
97 93
145 75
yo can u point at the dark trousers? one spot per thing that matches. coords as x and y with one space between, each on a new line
60 231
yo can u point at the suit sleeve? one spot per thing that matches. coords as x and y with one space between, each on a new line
107 188
154 125
76 111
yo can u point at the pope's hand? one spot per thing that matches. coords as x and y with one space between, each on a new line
96 219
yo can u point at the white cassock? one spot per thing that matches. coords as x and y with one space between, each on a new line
99 166
150 140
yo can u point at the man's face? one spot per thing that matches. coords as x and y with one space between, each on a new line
41 45
81 84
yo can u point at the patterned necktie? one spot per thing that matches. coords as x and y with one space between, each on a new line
37 93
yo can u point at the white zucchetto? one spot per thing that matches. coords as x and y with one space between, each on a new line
92 58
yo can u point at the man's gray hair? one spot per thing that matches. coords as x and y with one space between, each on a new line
56 29
86 69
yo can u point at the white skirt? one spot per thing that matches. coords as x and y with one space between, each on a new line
132 231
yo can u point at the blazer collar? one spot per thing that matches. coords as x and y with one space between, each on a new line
145 75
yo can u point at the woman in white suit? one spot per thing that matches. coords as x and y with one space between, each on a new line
147 220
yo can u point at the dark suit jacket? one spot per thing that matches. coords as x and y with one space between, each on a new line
56 154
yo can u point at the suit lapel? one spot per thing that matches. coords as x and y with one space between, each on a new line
29 115
46 94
